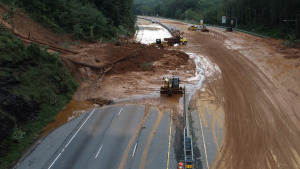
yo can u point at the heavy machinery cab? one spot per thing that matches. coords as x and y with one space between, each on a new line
175 82
158 41
183 40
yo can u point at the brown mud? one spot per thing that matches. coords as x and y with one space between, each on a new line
26 27
258 89
72 110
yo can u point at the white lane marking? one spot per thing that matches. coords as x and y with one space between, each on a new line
63 150
79 129
120 110
71 139
134 149
54 161
99 151
203 141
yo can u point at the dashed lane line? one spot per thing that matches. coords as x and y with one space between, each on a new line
99 151
71 139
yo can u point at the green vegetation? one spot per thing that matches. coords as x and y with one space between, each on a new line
147 66
83 19
291 42
264 16
9 18
35 86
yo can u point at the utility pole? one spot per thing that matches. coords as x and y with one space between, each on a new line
179 12
293 21
186 16
253 10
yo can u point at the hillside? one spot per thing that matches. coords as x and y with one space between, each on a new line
34 82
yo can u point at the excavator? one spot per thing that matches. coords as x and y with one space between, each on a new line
171 86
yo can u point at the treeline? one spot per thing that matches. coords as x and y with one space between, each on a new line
84 19
261 15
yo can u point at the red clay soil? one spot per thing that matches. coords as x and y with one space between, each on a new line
26 27
127 77
151 54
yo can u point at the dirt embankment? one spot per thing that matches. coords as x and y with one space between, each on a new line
26 27
128 70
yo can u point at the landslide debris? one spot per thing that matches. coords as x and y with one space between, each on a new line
100 101
34 87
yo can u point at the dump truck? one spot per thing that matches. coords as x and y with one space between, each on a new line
177 39
193 28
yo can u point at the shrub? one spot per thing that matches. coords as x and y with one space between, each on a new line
291 42
147 66
35 86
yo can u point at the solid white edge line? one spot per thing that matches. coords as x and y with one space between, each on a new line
79 129
54 161
134 149
120 110
204 142
99 151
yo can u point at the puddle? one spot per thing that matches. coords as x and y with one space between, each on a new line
72 110
155 99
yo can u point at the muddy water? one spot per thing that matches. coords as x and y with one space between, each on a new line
199 77
72 110
149 33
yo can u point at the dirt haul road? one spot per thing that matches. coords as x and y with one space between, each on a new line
258 89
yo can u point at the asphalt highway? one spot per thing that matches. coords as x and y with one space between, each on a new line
111 137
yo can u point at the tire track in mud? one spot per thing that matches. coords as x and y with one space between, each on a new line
145 152
258 132
133 138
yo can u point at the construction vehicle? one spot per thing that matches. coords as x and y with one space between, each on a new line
229 29
171 86
176 39
204 29
193 28
161 44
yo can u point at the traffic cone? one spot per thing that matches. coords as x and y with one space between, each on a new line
180 165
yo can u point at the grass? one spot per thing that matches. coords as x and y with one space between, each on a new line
41 80
291 42
147 66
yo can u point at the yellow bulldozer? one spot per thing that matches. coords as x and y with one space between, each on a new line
171 86
193 28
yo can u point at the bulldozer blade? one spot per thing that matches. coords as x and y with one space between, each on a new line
178 91
164 91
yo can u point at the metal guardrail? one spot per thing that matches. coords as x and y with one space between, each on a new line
187 138
196 23
185 106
